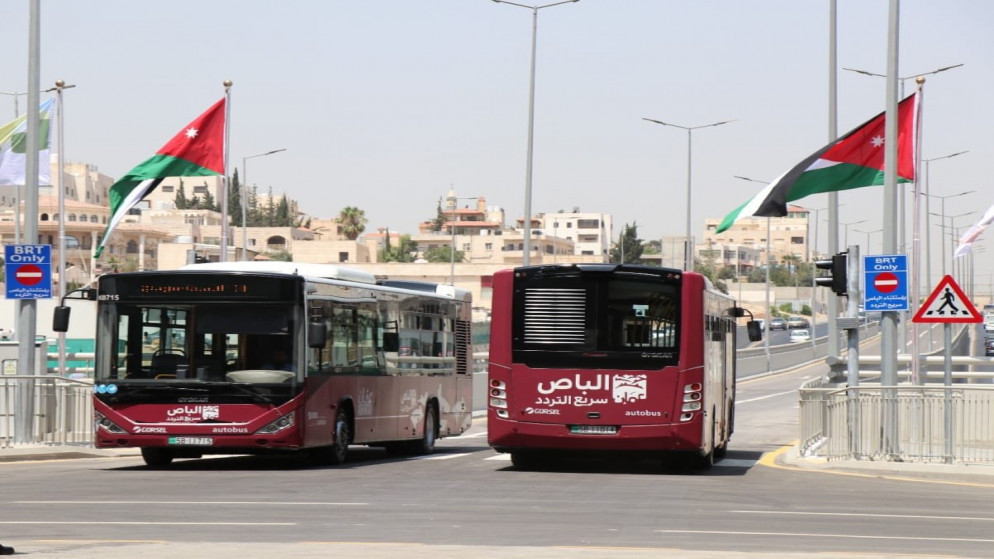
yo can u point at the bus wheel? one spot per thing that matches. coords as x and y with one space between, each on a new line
525 460
426 445
704 463
157 457
336 454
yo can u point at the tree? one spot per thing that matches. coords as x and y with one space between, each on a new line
180 200
629 248
208 202
235 199
353 222
439 221
406 250
440 254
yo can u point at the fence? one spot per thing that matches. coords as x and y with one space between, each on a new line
934 423
60 411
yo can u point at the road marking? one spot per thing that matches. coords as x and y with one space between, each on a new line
735 463
208 503
113 523
826 535
500 458
765 397
440 456
869 515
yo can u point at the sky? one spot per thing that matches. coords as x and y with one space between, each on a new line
386 105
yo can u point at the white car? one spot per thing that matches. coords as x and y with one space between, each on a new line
800 335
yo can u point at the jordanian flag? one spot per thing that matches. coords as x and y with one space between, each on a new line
197 151
853 161
14 145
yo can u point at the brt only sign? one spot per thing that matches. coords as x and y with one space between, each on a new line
28 271
885 281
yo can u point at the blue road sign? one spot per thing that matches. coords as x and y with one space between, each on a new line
885 282
28 271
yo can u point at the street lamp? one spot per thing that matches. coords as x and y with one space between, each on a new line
943 216
766 311
15 95
245 199
902 80
951 231
846 236
868 233
928 228
531 123
688 253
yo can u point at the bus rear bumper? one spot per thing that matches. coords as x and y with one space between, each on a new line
506 436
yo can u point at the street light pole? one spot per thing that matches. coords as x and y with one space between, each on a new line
688 253
943 222
531 123
245 199
948 229
15 95
766 310
868 233
846 236
928 228
454 200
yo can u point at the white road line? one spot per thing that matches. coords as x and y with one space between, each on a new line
500 458
440 456
112 523
826 535
765 397
869 515
185 503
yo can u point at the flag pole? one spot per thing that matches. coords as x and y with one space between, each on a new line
916 235
223 193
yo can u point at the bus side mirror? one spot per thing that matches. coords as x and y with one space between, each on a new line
754 330
60 319
391 342
317 335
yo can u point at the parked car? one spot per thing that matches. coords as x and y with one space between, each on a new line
800 335
989 344
778 324
798 322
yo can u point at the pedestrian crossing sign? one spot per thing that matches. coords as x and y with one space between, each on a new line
947 304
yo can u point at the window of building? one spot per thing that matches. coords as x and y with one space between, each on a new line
202 189
168 188
797 240
343 257
132 248
72 217
94 219
488 246
588 223
44 217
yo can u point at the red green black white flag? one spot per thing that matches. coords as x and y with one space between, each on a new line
855 160
197 151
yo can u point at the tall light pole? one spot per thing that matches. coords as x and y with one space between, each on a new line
766 310
901 80
688 253
868 233
943 222
928 228
15 95
846 235
245 198
531 123
949 229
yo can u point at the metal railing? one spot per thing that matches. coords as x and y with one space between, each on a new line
45 410
935 423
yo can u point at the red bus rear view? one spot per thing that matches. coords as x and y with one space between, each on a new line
610 358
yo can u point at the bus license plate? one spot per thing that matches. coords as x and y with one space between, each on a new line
593 429
194 441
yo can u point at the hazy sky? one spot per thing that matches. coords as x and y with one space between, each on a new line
387 104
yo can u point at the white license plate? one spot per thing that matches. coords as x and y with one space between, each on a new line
194 441
593 429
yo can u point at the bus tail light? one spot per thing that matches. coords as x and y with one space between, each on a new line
498 398
692 395
102 422
280 424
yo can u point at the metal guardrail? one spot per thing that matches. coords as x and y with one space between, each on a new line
935 423
45 410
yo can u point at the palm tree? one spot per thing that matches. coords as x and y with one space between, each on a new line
353 222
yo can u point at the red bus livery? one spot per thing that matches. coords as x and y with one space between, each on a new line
610 358
248 358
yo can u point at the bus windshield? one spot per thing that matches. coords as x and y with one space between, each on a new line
625 321
205 341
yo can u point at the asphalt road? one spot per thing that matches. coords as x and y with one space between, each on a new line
467 501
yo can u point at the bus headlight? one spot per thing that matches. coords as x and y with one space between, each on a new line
101 422
280 424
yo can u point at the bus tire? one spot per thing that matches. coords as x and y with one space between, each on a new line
426 444
155 457
704 462
525 460
338 451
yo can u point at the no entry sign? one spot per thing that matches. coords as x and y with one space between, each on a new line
28 271
886 281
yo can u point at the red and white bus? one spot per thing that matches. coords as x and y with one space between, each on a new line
610 358
249 358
